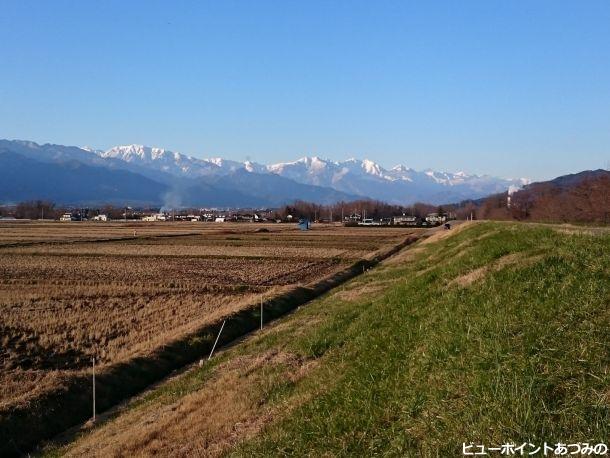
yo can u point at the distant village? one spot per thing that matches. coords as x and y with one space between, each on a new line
355 219
366 215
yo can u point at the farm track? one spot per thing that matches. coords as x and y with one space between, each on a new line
59 410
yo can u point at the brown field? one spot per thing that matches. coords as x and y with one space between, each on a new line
69 291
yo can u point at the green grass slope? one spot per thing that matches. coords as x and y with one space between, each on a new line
522 354
498 333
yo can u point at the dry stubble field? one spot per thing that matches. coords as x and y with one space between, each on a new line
69 291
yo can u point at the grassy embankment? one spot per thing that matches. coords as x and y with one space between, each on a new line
498 333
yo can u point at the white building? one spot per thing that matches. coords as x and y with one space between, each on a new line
155 217
435 218
368 222
406 220
100 218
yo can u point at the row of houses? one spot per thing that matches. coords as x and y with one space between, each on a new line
432 219
207 217
164 216
80 217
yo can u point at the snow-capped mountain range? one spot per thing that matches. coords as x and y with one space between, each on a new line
365 178
178 179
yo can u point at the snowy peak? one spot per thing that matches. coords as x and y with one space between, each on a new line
400 184
372 168
141 153
304 163
316 163
365 178
89 149
177 163
400 169
160 159
223 165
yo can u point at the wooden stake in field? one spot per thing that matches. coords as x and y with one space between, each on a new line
261 313
216 341
94 388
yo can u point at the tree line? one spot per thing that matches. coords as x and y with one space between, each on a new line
339 211
44 209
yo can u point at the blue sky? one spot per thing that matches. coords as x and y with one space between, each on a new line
511 88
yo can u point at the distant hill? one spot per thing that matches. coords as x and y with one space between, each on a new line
76 176
221 182
579 197
72 182
275 189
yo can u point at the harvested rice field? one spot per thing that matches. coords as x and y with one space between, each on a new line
71 291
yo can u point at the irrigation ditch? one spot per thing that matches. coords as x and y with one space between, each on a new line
24 428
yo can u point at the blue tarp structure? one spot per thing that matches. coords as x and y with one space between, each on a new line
304 224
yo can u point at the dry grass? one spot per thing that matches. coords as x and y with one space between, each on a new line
469 278
69 297
359 291
227 410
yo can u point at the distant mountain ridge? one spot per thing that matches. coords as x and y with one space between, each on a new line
82 176
364 178
192 181
72 182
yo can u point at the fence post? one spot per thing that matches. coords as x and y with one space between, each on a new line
94 388
216 341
